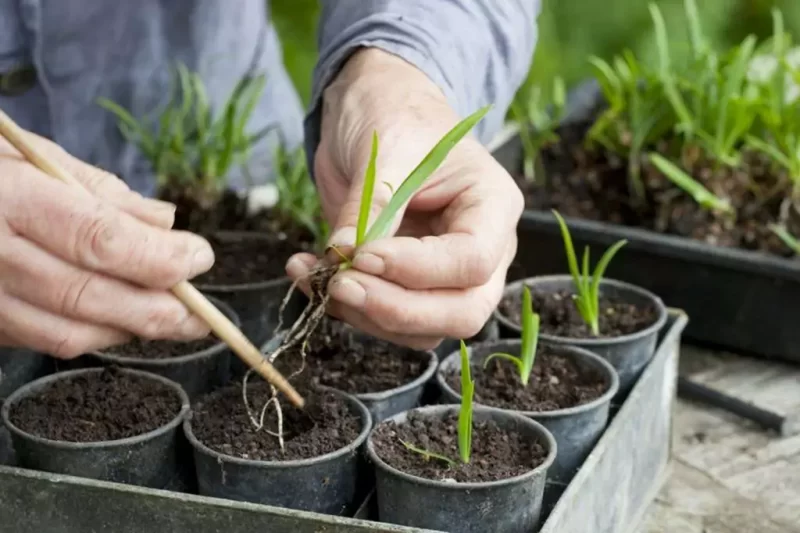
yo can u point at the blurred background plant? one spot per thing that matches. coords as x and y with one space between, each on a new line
570 31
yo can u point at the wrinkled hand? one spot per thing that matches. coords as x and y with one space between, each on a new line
81 271
442 272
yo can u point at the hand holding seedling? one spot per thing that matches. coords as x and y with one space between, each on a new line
81 271
440 270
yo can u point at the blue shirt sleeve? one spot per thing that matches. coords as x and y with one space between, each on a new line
477 51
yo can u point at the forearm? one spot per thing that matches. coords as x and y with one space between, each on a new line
477 52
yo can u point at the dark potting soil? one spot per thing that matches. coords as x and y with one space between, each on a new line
109 405
496 454
592 184
559 315
162 349
338 360
556 382
241 261
325 425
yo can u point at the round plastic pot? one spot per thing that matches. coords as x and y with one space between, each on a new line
257 304
505 506
326 484
149 460
387 403
198 373
19 366
576 429
628 354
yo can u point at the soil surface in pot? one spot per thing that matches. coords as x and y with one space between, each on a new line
559 315
356 366
161 349
592 184
325 425
245 261
556 382
109 405
496 454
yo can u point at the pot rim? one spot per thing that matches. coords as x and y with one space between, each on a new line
32 388
443 485
360 408
124 360
655 327
559 349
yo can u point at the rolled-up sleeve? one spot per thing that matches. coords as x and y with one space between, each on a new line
477 51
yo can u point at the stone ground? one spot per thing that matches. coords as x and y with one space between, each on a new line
728 475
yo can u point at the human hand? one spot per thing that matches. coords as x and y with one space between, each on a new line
81 270
442 272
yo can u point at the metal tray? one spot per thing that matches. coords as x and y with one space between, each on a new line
609 493
738 299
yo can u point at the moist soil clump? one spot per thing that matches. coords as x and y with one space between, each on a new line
496 454
335 358
109 405
161 349
325 425
593 184
556 382
559 316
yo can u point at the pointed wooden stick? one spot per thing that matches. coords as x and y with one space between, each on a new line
186 293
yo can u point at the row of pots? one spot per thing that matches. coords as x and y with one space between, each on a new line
567 434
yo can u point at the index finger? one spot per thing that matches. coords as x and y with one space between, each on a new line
477 228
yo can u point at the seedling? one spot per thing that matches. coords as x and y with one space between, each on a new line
587 287
464 418
530 338
788 239
298 200
188 145
705 198
312 315
538 124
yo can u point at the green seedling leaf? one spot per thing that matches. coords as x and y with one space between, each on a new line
422 172
426 454
465 413
366 194
587 284
530 339
679 177
788 239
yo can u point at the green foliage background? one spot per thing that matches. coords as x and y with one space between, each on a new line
569 31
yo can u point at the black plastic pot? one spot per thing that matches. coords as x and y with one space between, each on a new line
739 300
198 373
19 366
576 429
387 403
505 506
628 354
326 484
256 304
149 460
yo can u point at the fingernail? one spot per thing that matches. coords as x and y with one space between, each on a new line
348 292
161 205
203 258
342 237
369 263
194 328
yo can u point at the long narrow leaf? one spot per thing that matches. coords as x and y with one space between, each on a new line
599 271
530 336
700 194
421 173
366 194
426 454
788 239
516 361
572 260
465 413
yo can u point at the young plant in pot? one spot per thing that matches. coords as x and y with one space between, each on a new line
387 378
569 391
461 469
616 320
198 366
109 424
193 150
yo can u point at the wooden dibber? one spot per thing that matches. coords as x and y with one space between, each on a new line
184 291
